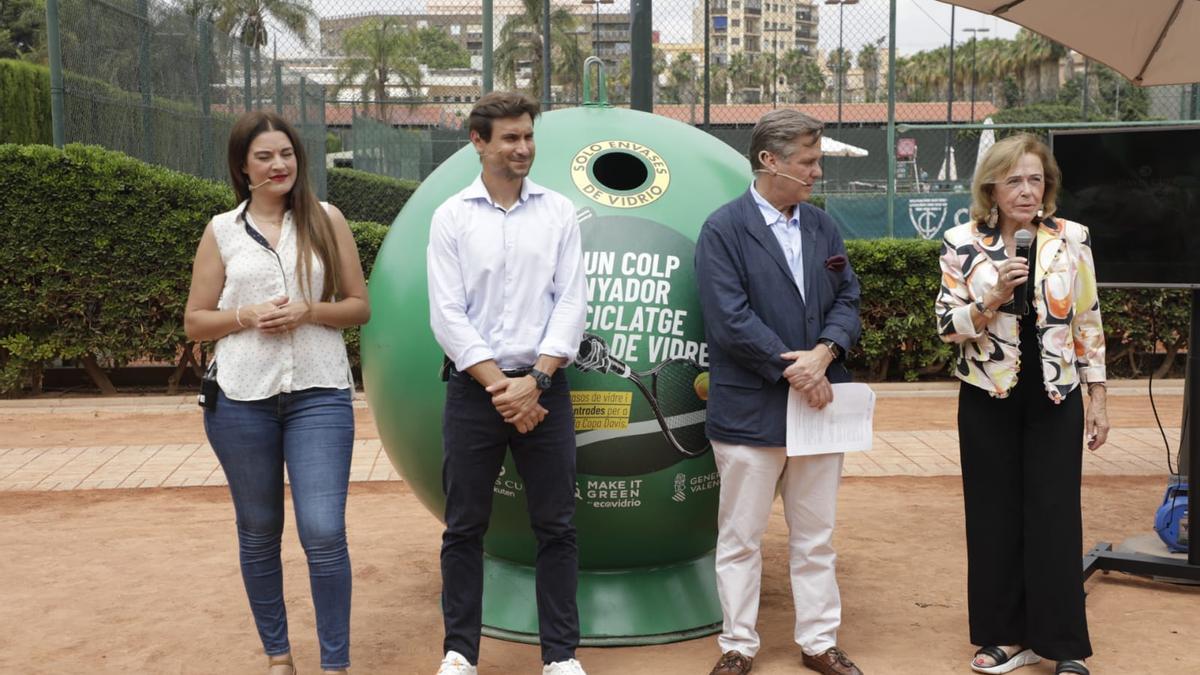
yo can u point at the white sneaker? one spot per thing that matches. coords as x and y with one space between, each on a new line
456 664
568 667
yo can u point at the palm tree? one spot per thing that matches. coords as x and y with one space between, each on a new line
804 77
996 63
378 52
1035 53
682 82
618 82
838 64
922 76
868 60
521 43
658 66
718 83
906 78
567 67
768 71
742 75
247 19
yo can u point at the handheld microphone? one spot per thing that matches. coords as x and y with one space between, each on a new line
1024 239
255 187
780 173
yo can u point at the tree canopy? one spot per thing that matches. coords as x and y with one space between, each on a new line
23 30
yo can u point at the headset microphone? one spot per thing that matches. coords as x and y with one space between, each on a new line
780 173
255 187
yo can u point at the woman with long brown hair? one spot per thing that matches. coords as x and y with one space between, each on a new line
274 282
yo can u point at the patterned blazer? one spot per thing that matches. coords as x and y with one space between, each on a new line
1065 297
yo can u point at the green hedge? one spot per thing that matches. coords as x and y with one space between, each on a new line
24 103
369 237
99 113
900 280
1138 322
95 251
96 254
367 196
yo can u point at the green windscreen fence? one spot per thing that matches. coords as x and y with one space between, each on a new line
385 150
161 82
926 215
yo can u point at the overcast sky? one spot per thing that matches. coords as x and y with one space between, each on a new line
920 24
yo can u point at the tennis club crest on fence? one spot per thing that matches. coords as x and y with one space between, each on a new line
928 215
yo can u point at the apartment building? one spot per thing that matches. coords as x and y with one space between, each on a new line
757 27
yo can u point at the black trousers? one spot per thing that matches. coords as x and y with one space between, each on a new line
1022 461
475 440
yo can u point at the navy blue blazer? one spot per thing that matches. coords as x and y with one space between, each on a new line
753 313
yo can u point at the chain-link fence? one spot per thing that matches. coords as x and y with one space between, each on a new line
386 86
164 83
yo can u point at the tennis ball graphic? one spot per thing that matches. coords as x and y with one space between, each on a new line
700 384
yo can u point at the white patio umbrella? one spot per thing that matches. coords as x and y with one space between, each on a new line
986 140
831 147
949 171
1149 41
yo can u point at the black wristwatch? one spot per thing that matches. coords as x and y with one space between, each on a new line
542 379
833 348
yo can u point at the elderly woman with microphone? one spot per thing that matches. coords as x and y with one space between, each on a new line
1026 320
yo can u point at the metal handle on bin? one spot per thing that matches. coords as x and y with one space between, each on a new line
601 98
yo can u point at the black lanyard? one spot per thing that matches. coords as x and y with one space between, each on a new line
262 241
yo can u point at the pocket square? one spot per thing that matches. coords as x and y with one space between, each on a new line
835 263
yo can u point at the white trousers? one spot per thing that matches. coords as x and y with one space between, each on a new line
749 479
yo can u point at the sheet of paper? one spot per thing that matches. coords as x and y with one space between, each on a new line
845 425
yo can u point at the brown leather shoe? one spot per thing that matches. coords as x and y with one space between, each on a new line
733 663
832 661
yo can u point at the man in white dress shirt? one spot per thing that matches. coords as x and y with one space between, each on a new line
507 303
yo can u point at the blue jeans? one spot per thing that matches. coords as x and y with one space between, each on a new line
311 432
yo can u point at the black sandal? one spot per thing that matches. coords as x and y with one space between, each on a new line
1003 662
1073 667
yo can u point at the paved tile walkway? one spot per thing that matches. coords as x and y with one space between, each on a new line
145 466
1130 451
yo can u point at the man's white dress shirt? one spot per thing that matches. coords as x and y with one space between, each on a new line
506 285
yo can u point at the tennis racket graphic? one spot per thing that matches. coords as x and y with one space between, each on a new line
674 392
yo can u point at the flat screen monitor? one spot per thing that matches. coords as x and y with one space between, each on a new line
1138 192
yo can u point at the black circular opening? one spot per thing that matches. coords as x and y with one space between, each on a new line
621 171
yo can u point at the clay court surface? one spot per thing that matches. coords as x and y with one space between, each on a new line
146 580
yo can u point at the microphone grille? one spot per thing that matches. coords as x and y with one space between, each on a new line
1023 238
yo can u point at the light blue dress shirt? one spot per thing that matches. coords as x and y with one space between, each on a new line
787 231
506 285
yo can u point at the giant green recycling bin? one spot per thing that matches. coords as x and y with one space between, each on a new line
646 513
